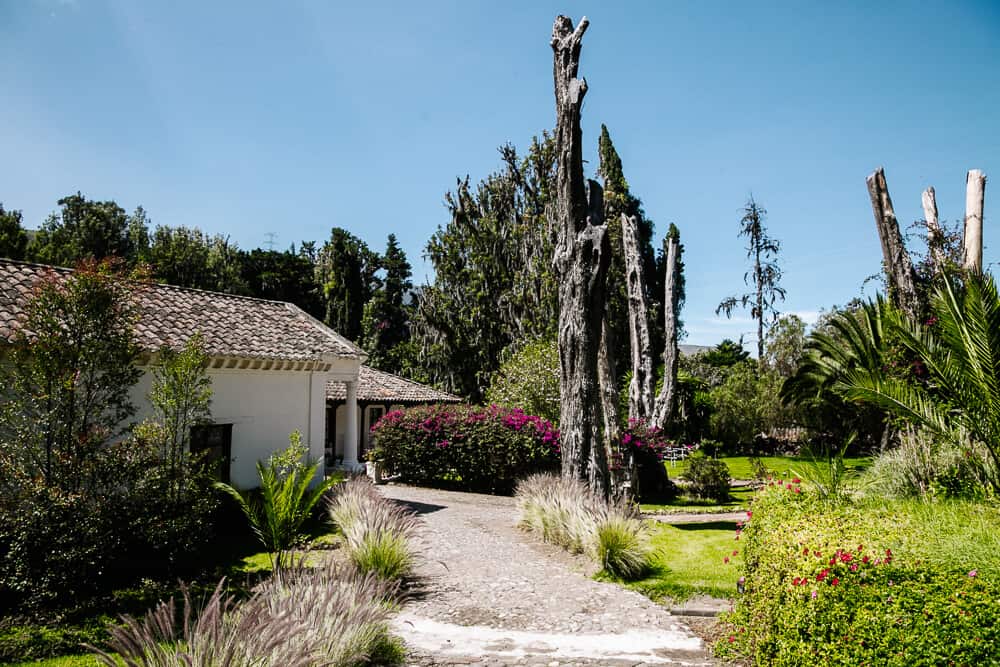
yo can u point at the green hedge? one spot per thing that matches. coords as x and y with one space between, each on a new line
866 583
476 449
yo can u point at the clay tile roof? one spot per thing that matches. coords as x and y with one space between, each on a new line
234 326
376 386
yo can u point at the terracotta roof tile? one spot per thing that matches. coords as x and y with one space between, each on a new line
378 386
231 325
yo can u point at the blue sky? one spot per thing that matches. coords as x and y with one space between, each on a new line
244 118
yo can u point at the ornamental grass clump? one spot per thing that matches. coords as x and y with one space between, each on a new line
297 618
378 534
565 512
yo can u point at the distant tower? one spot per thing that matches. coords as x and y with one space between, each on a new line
270 240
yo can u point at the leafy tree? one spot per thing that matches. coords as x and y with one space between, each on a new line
785 343
346 271
282 276
764 276
181 396
83 229
69 372
746 405
188 257
386 326
13 238
493 281
529 380
725 354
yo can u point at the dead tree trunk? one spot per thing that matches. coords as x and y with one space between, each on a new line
641 388
619 465
581 262
664 408
975 194
901 276
934 235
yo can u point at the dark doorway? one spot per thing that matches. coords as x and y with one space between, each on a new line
217 441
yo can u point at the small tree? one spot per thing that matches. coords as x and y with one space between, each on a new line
69 372
181 396
764 276
529 380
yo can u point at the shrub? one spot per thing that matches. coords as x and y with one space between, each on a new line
647 446
289 491
377 532
567 513
708 478
476 449
298 617
862 582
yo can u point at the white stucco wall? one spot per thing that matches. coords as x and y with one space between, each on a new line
264 407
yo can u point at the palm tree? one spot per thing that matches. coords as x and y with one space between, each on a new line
957 397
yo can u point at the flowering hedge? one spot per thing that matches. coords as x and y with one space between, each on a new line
477 449
887 583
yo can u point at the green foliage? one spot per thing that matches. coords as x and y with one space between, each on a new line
746 405
567 513
181 395
708 478
764 276
493 280
33 642
785 342
346 271
84 230
289 490
13 238
529 380
887 583
282 276
725 354
475 449
188 257
386 324
67 382
378 534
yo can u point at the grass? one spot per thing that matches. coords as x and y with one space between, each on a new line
781 466
739 500
80 660
690 559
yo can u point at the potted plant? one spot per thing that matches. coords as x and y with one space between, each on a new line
375 465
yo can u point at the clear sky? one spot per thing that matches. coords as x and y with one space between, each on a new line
248 117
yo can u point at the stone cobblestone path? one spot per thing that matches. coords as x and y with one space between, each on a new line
497 596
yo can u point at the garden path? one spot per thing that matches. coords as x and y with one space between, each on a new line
496 596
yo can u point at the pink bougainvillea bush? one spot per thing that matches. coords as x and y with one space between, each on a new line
865 582
484 449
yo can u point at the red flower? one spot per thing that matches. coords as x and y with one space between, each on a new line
835 581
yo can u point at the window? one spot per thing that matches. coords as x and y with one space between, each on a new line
217 440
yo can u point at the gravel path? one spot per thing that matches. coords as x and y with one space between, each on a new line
496 596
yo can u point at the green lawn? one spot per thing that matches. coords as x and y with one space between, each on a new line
739 499
691 559
781 466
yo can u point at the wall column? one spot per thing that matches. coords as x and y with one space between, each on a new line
351 427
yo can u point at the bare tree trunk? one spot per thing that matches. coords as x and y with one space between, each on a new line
664 408
618 467
934 235
582 255
899 270
975 194
641 388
